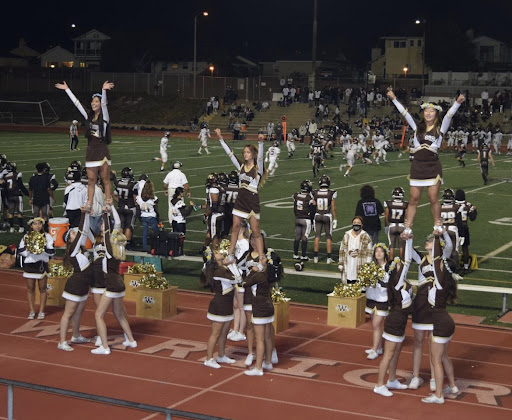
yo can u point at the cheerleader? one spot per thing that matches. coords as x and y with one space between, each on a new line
422 310
426 170
115 244
241 251
377 301
443 291
400 299
76 290
262 317
247 204
99 137
35 264
220 280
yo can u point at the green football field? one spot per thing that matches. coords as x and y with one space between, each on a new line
491 233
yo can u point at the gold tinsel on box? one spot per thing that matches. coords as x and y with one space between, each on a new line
347 290
152 281
369 274
35 242
58 270
138 268
278 295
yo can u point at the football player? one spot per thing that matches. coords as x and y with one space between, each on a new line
394 218
302 207
466 211
231 193
483 157
203 136
290 143
271 157
164 143
15 191
351 158
325 215
125 190
449 210
317 153
461 152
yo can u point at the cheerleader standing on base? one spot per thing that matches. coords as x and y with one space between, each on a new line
443 291
426 170
377 301
115 244
99 137
262 317
76 290
35 265
400 298
247 204
220 311
422 310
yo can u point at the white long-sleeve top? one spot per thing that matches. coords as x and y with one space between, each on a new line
49 250
147 208
437 142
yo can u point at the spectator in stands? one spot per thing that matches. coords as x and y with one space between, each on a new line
236 130
311 98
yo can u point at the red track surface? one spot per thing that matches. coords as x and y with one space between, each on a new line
322 372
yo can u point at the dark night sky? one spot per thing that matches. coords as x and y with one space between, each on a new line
261 29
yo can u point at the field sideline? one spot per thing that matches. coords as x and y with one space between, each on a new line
491 233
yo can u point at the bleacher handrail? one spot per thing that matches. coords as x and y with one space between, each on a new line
97 398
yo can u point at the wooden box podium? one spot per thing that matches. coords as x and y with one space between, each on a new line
131 283
157 303
54 288
346 312
281 316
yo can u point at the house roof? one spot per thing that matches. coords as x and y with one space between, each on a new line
90 35
54 49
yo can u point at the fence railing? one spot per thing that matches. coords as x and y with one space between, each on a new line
11 384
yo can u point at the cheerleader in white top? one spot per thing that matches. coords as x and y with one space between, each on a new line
37 248
400 299
97 124
443 292
247 204
377 301
426 170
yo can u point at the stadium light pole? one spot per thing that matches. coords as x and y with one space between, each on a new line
424 22
313 51
195 50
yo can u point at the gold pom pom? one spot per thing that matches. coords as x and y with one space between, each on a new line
278 295
35 242
139 268
152 281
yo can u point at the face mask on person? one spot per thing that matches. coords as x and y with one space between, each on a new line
356 228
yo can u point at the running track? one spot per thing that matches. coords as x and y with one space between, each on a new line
322 373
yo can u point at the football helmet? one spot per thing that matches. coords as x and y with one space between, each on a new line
46 168
448 196
167 134
324 181
276 144
398 193
233 177
127 172
10 166
211 179
223 179
306 186
76 165
143 177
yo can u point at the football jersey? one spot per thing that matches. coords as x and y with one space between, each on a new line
464 209
302 203
13 181
484 154
323 200
449 213
231 194
163 143
317 149
125 190
273 152
396 210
